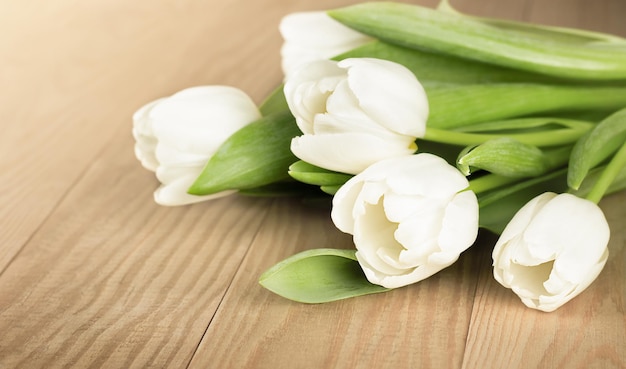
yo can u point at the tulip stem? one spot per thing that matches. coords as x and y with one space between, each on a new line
610 172
545 138
489 182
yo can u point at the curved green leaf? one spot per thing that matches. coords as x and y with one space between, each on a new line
436 68
311 174
424 28
319 275
505 157
256 155
453 106
559 34
595 147
274 103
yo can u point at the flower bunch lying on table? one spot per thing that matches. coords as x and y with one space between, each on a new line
423 125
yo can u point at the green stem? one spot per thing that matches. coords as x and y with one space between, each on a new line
545 138
503 193
489 182
558 156
609 173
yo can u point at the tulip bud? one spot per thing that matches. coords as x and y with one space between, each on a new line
410 217
177 135
311 36
355 112
551 250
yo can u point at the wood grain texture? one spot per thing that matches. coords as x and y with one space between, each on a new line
94 274
588 332
424 324
134 286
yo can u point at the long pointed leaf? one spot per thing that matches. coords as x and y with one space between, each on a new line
319 275
256 155
423 28
596 146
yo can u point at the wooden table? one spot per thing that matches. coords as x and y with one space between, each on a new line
94 274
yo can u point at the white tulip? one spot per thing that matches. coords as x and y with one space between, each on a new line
552 249
176 136
310 36
355 112
410 217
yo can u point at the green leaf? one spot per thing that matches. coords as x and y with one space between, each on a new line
529 124
331 190
274 103
255 156
505 157
618 183
433 68
453 106
540 52
530 131
596 146
311 174
559 34
609 175
319 275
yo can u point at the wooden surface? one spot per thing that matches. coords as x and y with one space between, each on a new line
94 274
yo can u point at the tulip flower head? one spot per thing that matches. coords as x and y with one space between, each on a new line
410 217
355 112
310 36
176 136
552 250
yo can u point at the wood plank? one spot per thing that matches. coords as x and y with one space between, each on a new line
94 274
113 280
423 325
74 72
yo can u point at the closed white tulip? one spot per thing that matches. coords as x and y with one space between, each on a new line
176 136
410 217
553 248
355 112
310 36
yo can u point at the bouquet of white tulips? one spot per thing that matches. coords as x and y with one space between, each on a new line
422 125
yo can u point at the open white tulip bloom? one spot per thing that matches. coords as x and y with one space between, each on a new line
310 36
355 112
410 217
552 249
176 136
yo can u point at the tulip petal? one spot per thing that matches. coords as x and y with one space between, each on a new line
311 36
344 202
398 280
175 193
399 207
459 227
404 108
307 88
145 142
346 152
443 180
373 235
520 221
344 115
316 29
414 232
199 119
172 156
